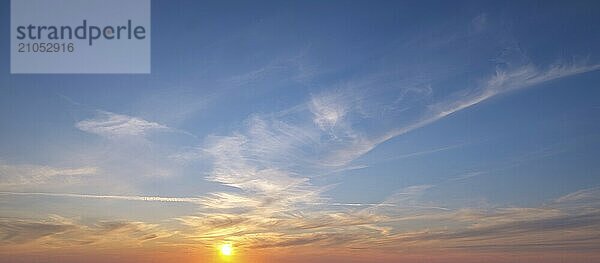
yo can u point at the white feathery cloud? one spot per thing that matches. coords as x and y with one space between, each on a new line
501 82
328 109
237 162
56 231
110 124
12 175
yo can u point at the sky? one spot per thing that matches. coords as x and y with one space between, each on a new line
315 131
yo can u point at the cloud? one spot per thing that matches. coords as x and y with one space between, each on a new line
512 230
22 175
424 152
329 109
270 163
504 81
501 82
108 124
252 164
294 66
467 175
192 200
268 196
564 223
273 202
583 196
23 231
292 241
339 112
407 200
130 151
570 221
552 226
57 231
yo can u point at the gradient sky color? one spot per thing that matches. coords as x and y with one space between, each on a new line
315 131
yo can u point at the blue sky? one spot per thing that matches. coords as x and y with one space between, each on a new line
435 107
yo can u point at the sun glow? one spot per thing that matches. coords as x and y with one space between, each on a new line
226 250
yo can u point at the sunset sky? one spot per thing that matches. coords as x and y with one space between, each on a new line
315 131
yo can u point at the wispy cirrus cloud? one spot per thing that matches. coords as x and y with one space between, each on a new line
32 175
252 163
338 113
581 197
59 232
330 109
110 124
552 226
501 82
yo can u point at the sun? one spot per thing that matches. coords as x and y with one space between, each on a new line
226 250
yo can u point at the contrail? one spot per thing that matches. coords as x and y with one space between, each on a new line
191 200
117 197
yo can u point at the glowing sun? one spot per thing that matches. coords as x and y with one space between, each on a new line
226 250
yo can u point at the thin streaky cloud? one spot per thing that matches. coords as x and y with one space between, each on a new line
502 82
110 124
425 152
192 200
29 174
116 197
